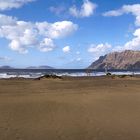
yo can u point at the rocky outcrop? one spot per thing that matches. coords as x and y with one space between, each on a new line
118 60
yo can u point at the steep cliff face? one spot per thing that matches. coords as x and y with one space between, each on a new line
118 60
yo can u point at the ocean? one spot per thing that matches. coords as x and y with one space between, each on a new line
35 73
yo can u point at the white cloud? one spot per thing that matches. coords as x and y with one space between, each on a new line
57 29
15 45
126 9
41 35
47 45
86 10
5 58
137 32
66 49
113 13
134 44
9 4
100 49
134 9
7 20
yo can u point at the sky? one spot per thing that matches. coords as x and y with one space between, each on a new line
66 33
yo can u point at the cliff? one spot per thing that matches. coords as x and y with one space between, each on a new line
127 59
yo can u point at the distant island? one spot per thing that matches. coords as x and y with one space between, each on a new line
6 67
125 60
40 67
30 67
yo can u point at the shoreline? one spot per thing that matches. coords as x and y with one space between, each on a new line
74 73
72 77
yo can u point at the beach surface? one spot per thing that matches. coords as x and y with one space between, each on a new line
84 108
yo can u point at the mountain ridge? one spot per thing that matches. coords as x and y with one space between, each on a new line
30 67
40 67
125 60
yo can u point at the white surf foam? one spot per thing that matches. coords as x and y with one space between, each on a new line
76 74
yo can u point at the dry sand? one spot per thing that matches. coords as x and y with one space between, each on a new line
70 109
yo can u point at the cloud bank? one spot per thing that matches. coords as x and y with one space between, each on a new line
23 35
135 11
100 49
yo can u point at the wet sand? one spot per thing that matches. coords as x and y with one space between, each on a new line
70 109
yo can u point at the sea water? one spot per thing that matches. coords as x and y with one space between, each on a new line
35 73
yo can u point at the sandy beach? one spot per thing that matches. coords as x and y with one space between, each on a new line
94 108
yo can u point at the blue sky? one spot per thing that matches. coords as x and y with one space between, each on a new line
64 33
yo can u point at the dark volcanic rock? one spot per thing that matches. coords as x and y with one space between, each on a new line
118 60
